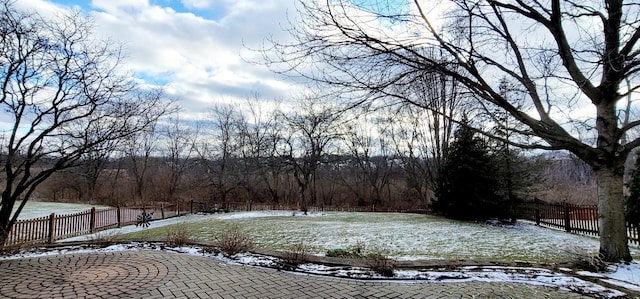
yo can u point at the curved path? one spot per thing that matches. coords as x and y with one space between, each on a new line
158 274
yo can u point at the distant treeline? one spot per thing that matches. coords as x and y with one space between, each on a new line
337 181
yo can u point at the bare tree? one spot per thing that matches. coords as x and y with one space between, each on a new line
273 170
564 55
370 163
258 137
409 135
422 129
219 151
92 166
140 147
310 133
179 150
63 96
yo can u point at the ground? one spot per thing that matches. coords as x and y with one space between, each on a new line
75 270
147 273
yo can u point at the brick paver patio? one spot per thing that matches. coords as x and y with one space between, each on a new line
159 274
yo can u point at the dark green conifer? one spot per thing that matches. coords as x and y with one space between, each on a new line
467 183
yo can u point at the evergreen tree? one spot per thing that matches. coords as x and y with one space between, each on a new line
514 172
517 175
467 185
632 204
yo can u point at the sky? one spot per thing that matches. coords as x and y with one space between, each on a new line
199 50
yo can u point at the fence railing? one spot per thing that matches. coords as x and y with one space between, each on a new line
55 227
568 217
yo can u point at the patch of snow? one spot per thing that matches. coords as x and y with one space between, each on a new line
71 249
563 269
494 274
191 250
36 209
255 260
339 271
626 275
623 284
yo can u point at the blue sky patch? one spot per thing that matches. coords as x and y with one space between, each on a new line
215 12
83 4
156 79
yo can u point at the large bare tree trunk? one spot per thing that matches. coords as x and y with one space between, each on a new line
613 233
5 217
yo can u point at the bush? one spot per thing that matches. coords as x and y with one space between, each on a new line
352 252
104 238
233 240
380 263
584 259
376 260
8 250
178 235
295 255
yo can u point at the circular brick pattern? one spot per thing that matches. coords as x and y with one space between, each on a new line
160 274
82 275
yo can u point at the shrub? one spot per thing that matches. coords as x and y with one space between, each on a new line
585 259
233 240
104 238
380 263
353 252
8 250
295 255
178 235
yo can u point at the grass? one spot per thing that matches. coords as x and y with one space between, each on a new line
403 236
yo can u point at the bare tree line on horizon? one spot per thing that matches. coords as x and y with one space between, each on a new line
309 157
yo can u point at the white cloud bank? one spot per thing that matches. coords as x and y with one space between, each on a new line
193 49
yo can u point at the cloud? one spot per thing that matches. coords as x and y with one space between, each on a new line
43 7
196 54
200 4
120 5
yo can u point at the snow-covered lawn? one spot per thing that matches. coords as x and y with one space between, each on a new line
402 236
35 209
